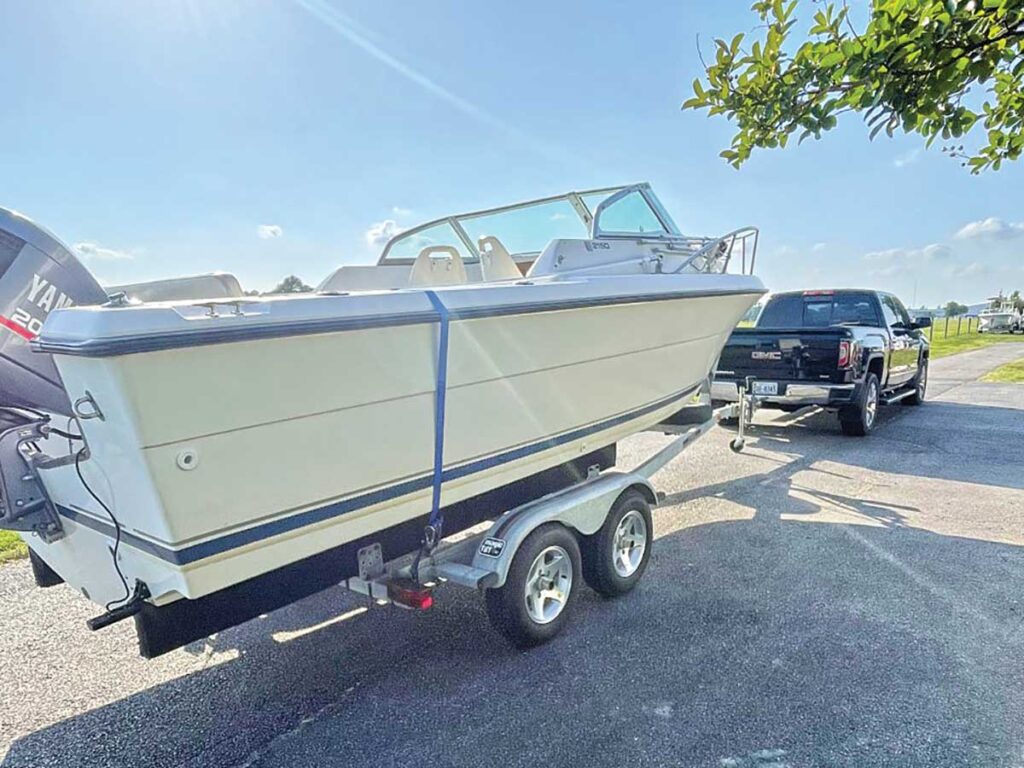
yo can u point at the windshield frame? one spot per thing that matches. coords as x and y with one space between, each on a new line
575 199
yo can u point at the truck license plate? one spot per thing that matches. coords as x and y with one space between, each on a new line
766 387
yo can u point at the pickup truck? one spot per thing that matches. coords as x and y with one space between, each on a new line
843 350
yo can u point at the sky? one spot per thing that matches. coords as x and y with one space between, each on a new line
275 137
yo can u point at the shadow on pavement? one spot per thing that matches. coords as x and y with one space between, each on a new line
751 642
947 441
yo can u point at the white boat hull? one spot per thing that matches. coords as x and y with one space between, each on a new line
231 459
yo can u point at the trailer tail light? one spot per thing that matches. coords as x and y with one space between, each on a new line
844 354
409 594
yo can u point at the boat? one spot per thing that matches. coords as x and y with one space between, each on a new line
236 453
1002 316
38 274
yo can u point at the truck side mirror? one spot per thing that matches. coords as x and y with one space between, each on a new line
922 322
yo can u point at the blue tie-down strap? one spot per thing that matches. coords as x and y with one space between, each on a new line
436 520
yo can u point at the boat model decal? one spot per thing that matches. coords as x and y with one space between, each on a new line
173 340
271 528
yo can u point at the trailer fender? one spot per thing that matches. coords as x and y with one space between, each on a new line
582 508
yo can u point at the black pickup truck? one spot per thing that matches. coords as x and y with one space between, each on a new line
844 350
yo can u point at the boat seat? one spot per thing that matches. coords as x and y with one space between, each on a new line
496 263
438 265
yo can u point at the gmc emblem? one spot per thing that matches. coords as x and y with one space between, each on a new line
759 355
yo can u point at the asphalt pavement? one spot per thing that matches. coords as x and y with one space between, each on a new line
815 601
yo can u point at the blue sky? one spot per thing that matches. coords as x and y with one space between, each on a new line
266 138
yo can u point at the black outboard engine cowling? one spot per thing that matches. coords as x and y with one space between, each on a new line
38 274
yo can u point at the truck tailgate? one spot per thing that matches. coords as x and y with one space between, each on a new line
798 354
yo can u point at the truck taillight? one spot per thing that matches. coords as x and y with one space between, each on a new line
844 354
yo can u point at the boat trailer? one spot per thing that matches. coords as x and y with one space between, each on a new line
529 561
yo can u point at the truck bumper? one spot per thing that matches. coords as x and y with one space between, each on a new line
791 394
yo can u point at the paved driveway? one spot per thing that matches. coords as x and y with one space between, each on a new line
818 600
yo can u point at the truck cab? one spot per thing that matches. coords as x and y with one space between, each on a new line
845 350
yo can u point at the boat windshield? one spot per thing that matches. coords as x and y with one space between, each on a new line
524 229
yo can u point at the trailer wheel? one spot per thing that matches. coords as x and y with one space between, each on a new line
858 419
615 558
532 606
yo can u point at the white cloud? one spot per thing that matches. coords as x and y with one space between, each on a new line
990 228
382 231
268 231
929 254
891 270
400 212
819 247
973 269
90 251
907 158
936 252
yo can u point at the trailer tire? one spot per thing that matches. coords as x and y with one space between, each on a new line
548 560
858 419
615 558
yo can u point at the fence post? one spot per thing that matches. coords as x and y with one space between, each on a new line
959 320
945 329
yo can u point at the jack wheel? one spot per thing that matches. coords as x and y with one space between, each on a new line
736 445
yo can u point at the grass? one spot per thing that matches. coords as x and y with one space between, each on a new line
950 345
1011 373
11 546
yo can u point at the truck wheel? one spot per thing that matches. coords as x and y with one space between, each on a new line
920 385
615 558
859 419
532 606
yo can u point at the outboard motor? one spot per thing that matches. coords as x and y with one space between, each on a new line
38 274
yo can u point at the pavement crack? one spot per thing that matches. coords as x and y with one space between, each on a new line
304 722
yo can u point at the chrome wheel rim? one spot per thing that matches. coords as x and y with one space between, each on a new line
548 584
629 543
871 406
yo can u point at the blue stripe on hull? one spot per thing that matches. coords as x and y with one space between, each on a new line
277 527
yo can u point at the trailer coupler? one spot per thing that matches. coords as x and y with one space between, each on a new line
124 611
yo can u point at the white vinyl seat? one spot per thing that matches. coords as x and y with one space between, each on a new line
438 265
496 263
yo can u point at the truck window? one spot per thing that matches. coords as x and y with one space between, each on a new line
817 310
891 313
901 311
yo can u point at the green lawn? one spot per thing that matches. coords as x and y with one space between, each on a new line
11 546
967 341
1011 373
